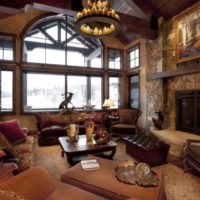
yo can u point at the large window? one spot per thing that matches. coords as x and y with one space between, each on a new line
114 90
6 91
6 48
47 91
53 40
115 60
134 57
134 91
44 91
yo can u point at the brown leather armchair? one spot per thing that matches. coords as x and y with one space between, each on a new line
127 123
192 155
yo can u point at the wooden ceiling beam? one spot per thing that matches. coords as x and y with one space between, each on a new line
10 11
139 26
147 7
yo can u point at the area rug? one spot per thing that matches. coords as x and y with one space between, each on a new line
175 161
178 185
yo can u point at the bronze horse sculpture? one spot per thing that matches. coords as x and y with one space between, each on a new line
64 104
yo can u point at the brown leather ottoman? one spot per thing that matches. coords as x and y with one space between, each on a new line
147 149
103 182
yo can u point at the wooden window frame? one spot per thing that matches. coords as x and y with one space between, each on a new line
13 36
136 46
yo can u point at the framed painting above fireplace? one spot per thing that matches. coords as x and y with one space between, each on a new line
187 27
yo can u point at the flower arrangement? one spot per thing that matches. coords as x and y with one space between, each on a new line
101 135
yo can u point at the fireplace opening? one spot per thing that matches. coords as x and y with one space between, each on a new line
188 111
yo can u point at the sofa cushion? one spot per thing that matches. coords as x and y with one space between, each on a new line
98 117
43 118
75 118
12 131
128 116
6 144
26 161
24 148
61 120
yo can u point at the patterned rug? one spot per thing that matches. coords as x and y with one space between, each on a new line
178 185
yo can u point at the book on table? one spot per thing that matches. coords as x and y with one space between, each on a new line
90 165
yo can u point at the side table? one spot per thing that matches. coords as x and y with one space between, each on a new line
6 170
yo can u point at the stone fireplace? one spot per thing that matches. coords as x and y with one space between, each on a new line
168 83
188 111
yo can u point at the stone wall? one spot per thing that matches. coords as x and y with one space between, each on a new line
162 57
186 82
155 59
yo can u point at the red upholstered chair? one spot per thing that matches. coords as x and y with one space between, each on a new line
127 123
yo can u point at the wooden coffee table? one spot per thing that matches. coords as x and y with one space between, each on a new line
78 150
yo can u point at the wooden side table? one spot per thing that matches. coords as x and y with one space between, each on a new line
6 170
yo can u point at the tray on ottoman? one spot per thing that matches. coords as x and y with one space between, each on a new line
147 149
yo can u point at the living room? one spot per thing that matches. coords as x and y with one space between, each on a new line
151 64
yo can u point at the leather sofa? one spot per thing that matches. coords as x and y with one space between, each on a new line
52 126
147 148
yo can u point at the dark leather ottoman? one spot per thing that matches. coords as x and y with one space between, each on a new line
147 149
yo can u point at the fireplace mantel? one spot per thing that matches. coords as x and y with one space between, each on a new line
188 69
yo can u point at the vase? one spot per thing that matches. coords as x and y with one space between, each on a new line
158 119
72 132
89 130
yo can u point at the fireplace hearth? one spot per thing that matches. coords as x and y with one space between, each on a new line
188 111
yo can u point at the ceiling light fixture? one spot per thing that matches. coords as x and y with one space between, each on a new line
97 19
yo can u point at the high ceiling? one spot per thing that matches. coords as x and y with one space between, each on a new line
138 17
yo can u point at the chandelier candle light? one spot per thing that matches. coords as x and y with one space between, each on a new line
97 19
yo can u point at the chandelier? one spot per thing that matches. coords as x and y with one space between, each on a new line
97 19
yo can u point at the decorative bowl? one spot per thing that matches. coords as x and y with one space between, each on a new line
101 136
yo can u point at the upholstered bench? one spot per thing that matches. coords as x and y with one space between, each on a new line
103 182
147 149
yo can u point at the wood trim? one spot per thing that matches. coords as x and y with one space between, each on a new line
194 68
147 8
121 57
139 26
62 69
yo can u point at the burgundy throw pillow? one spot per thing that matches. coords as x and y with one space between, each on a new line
43 119
98 117
12 131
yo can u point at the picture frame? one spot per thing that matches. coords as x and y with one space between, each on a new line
187 27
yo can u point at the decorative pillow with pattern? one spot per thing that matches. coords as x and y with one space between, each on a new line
44 120
12 131
98 117
6 145
10 195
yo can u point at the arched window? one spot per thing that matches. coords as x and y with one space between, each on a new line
53 40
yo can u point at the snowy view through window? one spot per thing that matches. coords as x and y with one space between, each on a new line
6 90
114 90
53 41
45 91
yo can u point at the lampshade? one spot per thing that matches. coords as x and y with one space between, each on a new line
97 19
108 103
